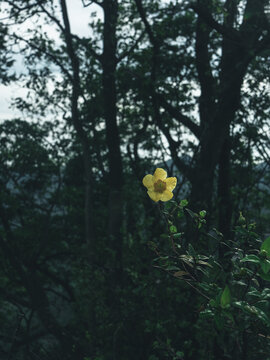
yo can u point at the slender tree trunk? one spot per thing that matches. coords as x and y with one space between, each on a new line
81 134
115 201
109 62
224 171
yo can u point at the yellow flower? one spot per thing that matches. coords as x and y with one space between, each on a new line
159 186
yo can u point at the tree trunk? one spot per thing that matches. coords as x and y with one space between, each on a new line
234 64
109 62
81 134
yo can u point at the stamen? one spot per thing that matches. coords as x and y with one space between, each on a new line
160 186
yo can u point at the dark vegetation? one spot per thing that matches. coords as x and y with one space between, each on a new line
155 80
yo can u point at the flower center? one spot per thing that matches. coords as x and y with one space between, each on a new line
160 186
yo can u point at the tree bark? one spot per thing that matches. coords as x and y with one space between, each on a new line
109 62
233 65
81 134
212 141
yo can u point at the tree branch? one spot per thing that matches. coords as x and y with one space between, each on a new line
173 145
92 51
127 52
91 2
53 18
65 285
227 32
183 119
157 98
51 56
154 41
20 9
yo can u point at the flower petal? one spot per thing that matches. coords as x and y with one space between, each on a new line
160 174
170 183
166 195
154 195
148 181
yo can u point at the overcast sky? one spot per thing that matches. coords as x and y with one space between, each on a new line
79 19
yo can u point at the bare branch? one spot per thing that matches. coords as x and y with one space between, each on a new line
176 114
53 18
20 9
154 41
173 145
50 55
91 2
62 28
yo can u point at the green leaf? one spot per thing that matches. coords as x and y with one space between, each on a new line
254 293
225 299
202 213
165 236
191 250
173 229
206 314
251 258
264 276
243 305
189 260
183 203
180 214
266 246
177 235
266 293
265 266
180 274
204 263
262 315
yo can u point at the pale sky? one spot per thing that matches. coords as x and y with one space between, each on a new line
79 18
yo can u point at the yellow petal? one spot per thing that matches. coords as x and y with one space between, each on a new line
148 181
160 174
154 195
166 195
170 183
